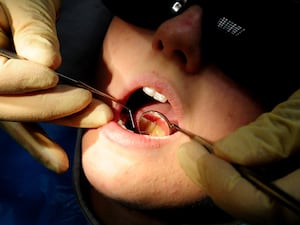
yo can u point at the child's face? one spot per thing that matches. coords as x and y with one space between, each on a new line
143 169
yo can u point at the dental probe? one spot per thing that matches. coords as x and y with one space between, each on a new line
77 83
253 177
83 85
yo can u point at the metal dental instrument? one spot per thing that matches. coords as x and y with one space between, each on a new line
266 186
77 83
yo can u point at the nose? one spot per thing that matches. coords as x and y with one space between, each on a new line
179 38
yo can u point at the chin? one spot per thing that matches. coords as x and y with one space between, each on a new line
199 211
140 198
148 180
144 191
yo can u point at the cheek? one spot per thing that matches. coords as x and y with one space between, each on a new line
115 52
220 108
124 59
125 48
220 122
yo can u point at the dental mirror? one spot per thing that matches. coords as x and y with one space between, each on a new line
155 123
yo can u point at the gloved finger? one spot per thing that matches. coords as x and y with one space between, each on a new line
32 24
20 76
32 138
290 184
4 40
274 135
46 105
4 29
94 115
229 190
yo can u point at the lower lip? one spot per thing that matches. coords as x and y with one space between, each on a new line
118 135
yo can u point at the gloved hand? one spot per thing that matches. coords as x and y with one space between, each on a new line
28 88
273 136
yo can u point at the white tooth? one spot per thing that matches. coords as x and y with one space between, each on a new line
149 91
121 123
160 97
156 95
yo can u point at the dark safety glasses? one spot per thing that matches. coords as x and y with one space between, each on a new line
230 27
232 17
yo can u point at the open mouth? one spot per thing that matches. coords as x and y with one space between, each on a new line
142 100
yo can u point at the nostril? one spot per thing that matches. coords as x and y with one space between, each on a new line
181 56
170 51
160 45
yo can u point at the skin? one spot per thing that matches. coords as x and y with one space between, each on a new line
204 99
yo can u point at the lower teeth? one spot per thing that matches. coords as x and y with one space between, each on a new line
121 123
148 127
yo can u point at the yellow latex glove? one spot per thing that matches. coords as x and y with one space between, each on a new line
273 136
28 88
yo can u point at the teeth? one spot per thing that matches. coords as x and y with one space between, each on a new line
154 94
121 123
148 127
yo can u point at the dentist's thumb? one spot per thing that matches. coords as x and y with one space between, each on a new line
229 190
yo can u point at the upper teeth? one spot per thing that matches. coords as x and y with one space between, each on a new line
154 94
